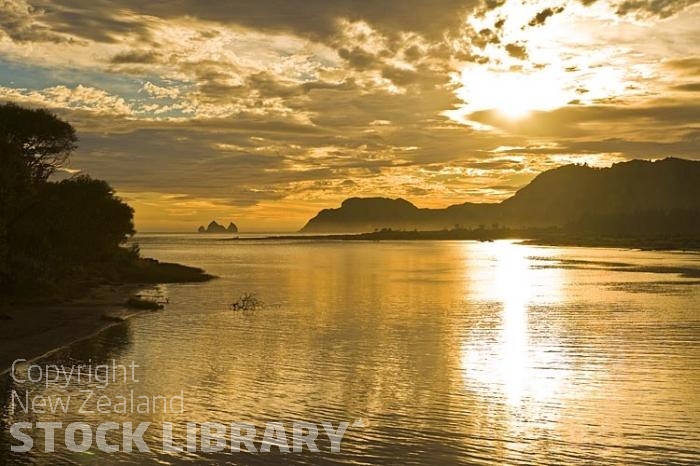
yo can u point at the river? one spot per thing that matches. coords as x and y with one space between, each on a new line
449 353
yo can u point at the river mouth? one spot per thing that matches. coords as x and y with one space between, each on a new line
430 352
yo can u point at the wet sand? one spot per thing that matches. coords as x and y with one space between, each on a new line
30 331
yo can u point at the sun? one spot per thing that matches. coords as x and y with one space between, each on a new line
515 108
514 95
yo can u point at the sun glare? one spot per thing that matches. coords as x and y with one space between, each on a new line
544 69
512 94
515 361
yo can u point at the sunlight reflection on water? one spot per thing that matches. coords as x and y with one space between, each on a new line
523 374
453 352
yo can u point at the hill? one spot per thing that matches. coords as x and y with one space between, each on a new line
637 195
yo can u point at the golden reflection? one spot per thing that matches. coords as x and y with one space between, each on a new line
513 353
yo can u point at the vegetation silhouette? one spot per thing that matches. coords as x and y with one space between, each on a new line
44 141
58 238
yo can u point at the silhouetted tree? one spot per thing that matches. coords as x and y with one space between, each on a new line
53 234
15 194
73 232
83 219
44 140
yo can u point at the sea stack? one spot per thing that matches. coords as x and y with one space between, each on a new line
215 227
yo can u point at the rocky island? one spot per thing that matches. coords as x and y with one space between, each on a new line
215 227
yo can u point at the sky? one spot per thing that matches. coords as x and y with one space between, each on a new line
263 112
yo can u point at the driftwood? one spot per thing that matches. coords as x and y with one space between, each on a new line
247 302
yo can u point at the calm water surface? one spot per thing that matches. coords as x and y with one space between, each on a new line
450 352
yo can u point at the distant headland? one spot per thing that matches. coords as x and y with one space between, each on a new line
637 204
630 198
215 227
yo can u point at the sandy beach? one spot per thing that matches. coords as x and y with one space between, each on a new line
33 330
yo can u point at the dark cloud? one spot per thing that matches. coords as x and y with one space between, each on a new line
684 147
647 8
518 51
400 76
496 164
688 66
19 22
214 79
485 37
492 4
358 58
98 19
136 57
412 53
541 17
186 159
660 8
691 87
101 23
579 121
345 85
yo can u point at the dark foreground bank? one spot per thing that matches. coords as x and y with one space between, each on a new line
32 326
64 270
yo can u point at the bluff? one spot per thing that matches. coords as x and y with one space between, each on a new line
661 196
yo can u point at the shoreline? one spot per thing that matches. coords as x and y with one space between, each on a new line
35 331
538 237
31 330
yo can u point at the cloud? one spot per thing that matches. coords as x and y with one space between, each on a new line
485 37
22 22
650 8
687 66
400 76
160 92
580 121
690 87
685 146
252 107
358 58
518 51
77 98
136 56
541 17
99 20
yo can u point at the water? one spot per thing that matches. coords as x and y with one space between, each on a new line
450 353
